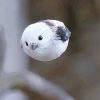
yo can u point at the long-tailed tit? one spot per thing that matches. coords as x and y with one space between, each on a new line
45 40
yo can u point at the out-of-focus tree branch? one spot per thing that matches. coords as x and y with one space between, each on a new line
13 95
35 83
2 46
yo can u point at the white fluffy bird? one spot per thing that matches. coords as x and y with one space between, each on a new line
45 40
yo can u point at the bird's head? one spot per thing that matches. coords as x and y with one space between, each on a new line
40 38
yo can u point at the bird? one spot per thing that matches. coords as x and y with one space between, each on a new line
45 40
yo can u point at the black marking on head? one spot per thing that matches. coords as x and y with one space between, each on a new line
64 34
48 23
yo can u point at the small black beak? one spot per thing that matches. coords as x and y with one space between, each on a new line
21 46
34 46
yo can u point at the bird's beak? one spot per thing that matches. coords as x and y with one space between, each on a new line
21 46
34 46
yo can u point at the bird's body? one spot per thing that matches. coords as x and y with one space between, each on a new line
45 40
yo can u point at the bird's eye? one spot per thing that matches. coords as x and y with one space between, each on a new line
26 43
40 37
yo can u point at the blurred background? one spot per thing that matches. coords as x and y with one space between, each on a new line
77 71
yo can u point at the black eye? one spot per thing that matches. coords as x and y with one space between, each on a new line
26 43
40 37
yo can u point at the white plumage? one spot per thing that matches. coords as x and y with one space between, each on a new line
45 40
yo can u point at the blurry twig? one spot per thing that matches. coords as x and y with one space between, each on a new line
13 95
2 45
34 82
